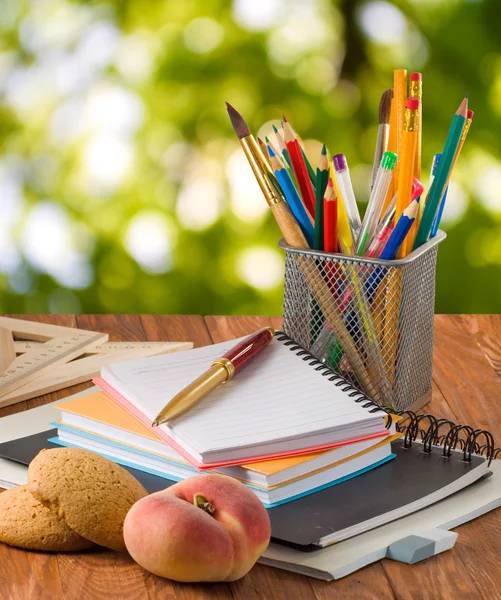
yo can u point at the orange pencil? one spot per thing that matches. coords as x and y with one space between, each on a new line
396 126
407 163
299 167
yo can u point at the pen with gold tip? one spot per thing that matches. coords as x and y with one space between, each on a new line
221 371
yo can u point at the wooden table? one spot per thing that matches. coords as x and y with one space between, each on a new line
466 388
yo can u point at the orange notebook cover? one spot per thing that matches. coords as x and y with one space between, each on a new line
100 407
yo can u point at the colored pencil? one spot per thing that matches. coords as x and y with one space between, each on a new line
400 231
330 218
407 162
264 150
299 167
383 131
311 172
276 151
292 197
281 144
438 217
444 168
322 178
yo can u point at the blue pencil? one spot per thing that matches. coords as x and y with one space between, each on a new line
394 242
292 197
438 216
400 231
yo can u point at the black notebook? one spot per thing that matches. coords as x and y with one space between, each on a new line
419 476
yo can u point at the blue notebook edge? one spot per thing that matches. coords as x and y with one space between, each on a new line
58 441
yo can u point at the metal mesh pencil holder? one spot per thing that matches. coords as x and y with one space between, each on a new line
370 320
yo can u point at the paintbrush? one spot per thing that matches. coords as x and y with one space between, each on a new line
267 182
383 131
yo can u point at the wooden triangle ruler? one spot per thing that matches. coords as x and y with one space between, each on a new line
54 357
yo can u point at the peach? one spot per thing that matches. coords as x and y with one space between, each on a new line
206 528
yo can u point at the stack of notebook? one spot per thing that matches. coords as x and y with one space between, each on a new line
284 426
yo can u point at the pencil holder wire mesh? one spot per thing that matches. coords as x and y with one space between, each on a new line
370 320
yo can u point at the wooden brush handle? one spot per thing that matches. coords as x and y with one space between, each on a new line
288 225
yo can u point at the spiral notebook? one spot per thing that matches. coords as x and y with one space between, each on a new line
284 403
408 484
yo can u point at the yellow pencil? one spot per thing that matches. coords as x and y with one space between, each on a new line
407 163
396 126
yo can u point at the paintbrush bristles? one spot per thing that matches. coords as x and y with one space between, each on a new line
239 125
385 106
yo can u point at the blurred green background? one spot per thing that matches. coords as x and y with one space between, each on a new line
124 189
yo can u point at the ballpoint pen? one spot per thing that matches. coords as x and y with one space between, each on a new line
221 371
378 194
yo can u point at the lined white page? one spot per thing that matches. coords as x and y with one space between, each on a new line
278 396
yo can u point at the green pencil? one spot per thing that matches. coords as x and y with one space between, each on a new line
444 168
321 180
311 172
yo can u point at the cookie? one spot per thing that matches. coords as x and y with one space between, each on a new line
92 494
26 523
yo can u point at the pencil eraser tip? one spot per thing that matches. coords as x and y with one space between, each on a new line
412 103
469 114
417 188
339 161
416 77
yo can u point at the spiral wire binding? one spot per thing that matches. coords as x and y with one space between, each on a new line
431 438
339 381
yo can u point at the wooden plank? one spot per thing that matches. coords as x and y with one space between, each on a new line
7 349
120 328
182 328
26 575
100 574
479 548
442 576
165 589
465 376
486 331
229 328
277 322
362 585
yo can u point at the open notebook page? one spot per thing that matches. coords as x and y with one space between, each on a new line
278 396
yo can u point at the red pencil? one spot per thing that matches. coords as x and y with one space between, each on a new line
299 167
330 218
